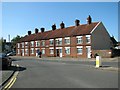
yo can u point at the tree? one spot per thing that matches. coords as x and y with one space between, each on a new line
14 41
2 45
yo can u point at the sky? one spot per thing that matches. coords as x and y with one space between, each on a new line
20 17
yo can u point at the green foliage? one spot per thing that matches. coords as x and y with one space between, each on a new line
14 41
2 46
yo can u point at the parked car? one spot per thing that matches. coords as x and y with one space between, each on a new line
12 53
5 61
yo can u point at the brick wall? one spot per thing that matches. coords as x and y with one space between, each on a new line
102 53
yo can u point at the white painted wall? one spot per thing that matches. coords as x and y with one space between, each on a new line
100 38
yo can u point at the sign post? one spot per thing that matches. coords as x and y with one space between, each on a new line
98 62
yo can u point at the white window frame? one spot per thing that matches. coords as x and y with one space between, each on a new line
26 51
43 43
26 44
32 43
18 51
58 41
65 39
18 45
50 41
22 44
67 52
51 49
37 43
88 38
79 38
80 47
43 50
32 50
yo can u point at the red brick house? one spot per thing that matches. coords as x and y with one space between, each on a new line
75 41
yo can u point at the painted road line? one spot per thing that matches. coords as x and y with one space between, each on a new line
12 84
12 80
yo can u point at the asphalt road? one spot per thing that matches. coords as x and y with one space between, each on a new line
47 74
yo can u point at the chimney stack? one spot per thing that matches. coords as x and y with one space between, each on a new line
42 30
89 20
29 32
62 25
36 30
77 22
53 27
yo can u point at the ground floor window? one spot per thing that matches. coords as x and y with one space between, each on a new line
32 50
67 50
79 50
51 51
26 51
43 51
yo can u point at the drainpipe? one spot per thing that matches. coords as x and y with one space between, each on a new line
54 48
28 48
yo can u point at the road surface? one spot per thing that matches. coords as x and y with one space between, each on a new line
40 73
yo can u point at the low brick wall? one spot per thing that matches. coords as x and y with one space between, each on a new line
102 53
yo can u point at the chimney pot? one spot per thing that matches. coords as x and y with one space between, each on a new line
42 30
77 22
29 32
53 27
62 25
89 20
36 30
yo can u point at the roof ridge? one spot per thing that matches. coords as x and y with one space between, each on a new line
68 31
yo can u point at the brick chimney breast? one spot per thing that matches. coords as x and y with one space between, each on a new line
29 32
53 27
62 25
36 30
42 30
89 20
77 22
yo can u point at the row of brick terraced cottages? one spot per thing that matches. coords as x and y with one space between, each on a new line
81 40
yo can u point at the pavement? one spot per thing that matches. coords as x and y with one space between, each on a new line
7 74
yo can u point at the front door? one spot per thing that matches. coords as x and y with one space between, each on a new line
37 50
22 52
57 52
88 51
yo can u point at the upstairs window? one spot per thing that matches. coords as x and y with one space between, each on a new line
18 45
32 43
22 44
79 40
67 50
59 41
88 40
26 44
43 43
67 40
37 43
51 42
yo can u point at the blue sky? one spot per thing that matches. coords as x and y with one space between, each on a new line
19 17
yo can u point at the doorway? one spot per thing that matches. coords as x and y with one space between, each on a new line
59 52
88 51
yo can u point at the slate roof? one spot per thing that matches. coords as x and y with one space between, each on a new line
83 29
